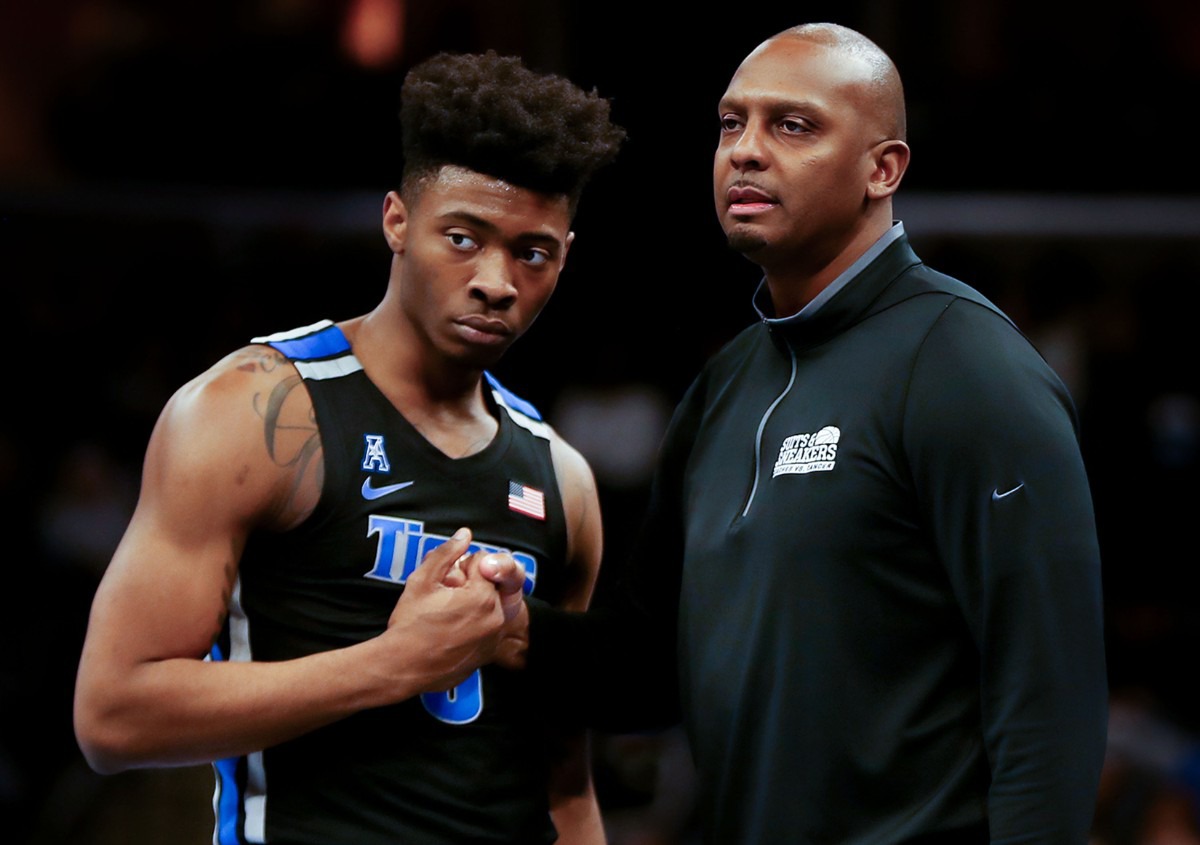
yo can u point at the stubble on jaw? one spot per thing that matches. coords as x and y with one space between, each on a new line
747 243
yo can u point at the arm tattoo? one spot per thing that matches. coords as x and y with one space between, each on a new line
301 458
273 425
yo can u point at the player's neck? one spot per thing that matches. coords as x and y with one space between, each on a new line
457 429
441 399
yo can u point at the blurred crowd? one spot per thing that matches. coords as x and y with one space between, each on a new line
175 181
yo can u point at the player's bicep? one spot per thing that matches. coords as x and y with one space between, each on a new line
206 482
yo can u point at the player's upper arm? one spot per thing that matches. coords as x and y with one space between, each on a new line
584 528
209 477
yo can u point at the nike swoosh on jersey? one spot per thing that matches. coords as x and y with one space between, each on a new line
997 495
369 493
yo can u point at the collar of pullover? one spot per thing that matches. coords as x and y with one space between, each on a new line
848 298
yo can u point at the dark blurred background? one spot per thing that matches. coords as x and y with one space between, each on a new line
176 178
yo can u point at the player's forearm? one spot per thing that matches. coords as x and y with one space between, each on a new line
183 711
611 668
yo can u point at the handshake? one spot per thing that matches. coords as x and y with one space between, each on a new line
467 607
499 568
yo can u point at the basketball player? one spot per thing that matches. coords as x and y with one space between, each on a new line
265 610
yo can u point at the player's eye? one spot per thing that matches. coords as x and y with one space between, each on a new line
730 124
535 257
461 240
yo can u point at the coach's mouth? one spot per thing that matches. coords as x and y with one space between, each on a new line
746 200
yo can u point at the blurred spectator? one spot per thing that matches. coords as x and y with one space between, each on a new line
1145 795
87 510
647 787
75 516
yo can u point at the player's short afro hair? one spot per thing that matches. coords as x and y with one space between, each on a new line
490 114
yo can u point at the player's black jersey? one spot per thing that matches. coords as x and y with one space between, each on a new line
463 766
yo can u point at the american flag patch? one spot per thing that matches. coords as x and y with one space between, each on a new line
527 500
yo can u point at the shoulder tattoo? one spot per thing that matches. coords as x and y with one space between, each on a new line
290 428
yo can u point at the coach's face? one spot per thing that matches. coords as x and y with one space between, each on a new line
798 129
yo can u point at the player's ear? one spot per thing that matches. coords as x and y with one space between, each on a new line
395 222
562 259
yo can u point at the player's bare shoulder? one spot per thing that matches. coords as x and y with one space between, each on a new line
584 528
575 475
249 423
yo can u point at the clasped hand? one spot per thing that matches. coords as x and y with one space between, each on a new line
468 607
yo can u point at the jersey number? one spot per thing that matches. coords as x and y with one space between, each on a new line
464 703
402 545
459 705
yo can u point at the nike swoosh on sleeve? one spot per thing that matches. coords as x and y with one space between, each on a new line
997 495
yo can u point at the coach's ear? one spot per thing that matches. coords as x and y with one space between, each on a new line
395 222
890 160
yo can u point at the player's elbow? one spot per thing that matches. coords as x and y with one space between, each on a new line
107 746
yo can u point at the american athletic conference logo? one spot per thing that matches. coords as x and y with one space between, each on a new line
804 453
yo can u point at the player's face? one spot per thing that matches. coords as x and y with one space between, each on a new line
791 169
479 258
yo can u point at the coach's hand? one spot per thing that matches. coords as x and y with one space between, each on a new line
509 577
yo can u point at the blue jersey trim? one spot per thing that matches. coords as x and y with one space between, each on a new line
323 344
227 803
511 399
228 795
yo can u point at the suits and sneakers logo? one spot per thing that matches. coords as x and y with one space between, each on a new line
805 453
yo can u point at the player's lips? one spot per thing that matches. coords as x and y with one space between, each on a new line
482 329
749 199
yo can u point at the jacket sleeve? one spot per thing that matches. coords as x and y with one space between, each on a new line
614 668
991 438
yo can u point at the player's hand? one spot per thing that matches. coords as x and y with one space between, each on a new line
457 620
499 568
